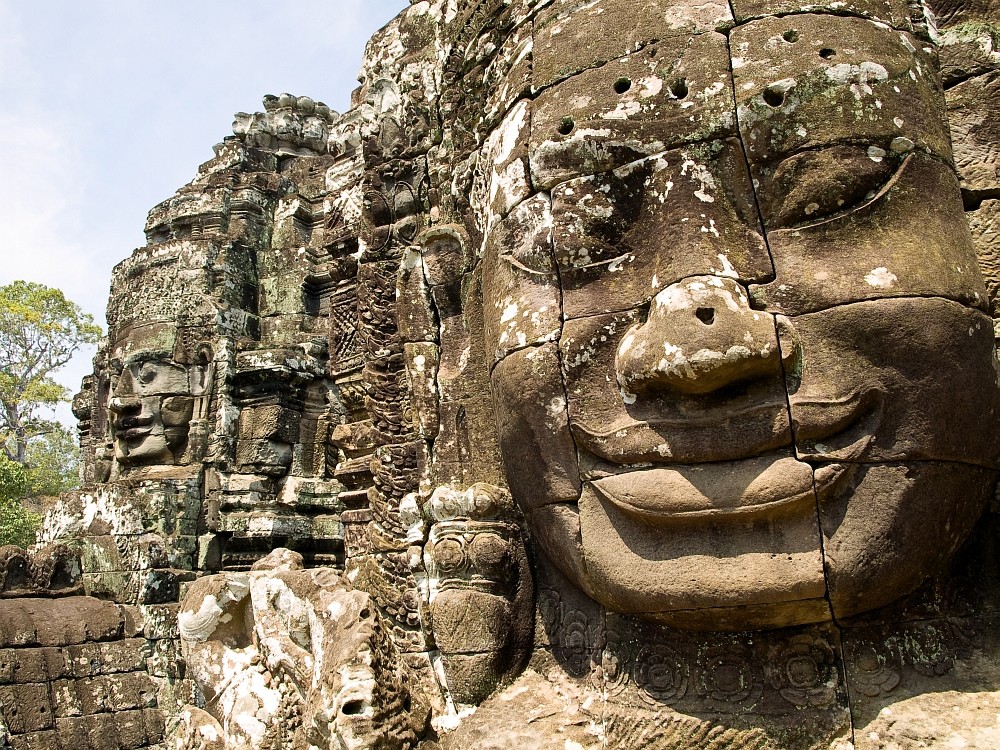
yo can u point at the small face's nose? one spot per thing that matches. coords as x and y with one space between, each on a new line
120 405
124 397
700 336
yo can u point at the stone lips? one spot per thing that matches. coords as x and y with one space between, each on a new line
768 486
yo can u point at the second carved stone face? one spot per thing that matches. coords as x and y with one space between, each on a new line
764 386
152 404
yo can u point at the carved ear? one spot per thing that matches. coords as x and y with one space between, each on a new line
203 372
446 253
480 593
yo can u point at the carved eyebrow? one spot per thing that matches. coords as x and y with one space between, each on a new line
147 355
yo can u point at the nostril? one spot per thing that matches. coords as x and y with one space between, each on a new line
706 315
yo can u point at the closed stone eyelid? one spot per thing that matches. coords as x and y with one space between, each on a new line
882 191
886 185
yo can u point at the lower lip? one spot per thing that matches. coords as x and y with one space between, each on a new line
766 485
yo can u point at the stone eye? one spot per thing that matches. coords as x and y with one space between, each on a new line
813 185
147 374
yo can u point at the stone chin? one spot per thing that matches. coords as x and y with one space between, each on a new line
151 449
762 566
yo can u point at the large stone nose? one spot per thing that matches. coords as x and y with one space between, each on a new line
700 336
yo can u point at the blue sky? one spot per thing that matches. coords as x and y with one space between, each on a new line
110 106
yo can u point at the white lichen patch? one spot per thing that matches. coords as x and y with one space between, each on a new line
649 86
876 154
623 111
881 278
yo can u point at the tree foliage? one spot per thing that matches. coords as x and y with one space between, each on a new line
53 463
40 330
17 523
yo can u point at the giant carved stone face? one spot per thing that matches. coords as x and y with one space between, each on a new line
744 293
152 404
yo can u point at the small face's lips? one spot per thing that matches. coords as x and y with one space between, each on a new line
133 427
134 433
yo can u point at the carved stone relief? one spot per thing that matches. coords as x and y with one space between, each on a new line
620 374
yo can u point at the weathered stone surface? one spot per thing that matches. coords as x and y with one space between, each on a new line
522 301
677 92
641 342
985 226
892 380
896 249
812 81
572 36
620 238
871 558
973 113
293 656
968 31
533 427
891 12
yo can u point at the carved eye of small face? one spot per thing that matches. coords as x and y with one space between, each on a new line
147 373
814 185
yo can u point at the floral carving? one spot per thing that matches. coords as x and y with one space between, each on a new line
660 674
728 673
874 670
803 671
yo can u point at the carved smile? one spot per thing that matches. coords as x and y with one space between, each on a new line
133 428
776 483
731 489
135 433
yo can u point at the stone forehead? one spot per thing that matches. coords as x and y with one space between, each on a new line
162 284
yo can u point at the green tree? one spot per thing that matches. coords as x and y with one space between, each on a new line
17 524
40 330
53 463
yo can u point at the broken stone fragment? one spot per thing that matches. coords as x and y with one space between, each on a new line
282 642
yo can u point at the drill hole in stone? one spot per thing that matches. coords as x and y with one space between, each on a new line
679 88
774 97
791 36
566 126
353 708
622 85
706 315
826 53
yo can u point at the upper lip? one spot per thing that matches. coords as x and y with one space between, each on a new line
130 427
759 429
